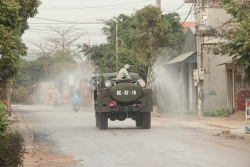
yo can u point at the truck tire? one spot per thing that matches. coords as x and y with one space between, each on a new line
103 121
146 120
138 123
97 119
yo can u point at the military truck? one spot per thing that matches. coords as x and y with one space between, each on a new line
118 100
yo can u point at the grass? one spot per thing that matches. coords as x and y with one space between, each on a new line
209 113
216 113
189 112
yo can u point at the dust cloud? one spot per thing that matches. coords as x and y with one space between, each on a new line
166 87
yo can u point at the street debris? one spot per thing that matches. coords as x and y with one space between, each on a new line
225 131
216 134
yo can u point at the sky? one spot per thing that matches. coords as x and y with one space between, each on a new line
86 15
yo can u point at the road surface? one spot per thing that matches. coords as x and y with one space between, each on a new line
166 144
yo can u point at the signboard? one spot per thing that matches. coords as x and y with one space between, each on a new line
247 127
53 91
71 80
9 91
51 95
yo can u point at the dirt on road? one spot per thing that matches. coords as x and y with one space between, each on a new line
39 153
42 156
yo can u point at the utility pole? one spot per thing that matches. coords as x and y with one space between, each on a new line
116 42
89 57
199 57
158 3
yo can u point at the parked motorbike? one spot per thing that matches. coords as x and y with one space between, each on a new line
56 103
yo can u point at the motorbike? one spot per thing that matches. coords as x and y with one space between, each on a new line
56 103
76 107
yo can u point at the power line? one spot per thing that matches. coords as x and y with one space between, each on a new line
177 8
92 7
64 22
192 7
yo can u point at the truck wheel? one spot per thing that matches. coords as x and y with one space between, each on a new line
103 121
146 120
138 122
97 119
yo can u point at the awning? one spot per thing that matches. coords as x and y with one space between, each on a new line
189 57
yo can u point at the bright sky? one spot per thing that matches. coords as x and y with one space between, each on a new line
84 14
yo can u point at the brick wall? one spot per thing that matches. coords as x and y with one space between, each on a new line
240 100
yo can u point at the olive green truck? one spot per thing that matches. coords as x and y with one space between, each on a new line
118 100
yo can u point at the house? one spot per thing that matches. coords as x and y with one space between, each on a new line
186 25
177 90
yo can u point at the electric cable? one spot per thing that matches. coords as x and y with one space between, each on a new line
177 8
91 7
191 9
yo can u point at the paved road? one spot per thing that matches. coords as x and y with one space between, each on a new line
125 145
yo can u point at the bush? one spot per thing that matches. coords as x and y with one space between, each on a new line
216 113
12 149
4 123
20 95
188 112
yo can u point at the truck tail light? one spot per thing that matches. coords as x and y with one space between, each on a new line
113 103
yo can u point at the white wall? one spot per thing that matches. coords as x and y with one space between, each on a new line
42 96
214 84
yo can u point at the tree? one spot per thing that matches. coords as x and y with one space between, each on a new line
235 33
59 44
28 74
20 95
174 49
238 44
13 23
133 40
151 33
62 61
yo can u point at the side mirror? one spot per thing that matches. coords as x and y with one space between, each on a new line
91 81
96 83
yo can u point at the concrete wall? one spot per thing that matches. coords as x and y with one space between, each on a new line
190 41
241 88
192 89
41 93
216 16
214 86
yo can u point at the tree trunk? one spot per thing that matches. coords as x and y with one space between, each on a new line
9 99
149 77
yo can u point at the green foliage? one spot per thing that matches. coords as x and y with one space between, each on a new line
3 91
188 112
20 95
13 22
45 61
210 113
4 122
216 113
238 44
141 37
28 74
62 61
151 33
12 149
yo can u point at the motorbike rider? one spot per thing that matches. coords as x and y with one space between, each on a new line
76 100
123 73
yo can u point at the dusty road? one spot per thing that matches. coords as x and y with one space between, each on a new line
165 144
